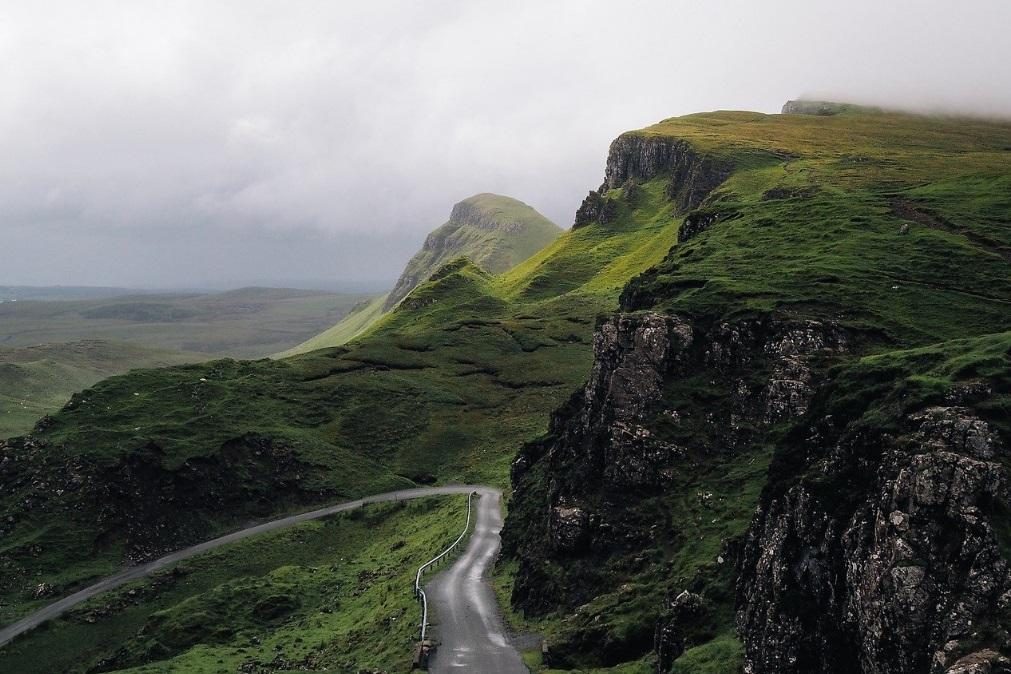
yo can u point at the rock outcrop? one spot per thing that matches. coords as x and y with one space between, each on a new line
693 175
595 208
634 158
883 557
871 552
612 446
821 108
685 611
135 501
697 222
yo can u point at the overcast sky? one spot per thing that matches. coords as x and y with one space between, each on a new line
180 143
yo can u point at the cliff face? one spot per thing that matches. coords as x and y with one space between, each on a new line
634 159
586 497
494 232
868 552
884 556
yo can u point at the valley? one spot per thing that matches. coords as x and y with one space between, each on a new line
55 342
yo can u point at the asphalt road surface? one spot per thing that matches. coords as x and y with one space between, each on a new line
133 573
467 624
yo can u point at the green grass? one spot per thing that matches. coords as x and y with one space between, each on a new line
723 655
335 593
813 230
443 391
38 380
494 232
883 388
836 251
54 348
358 320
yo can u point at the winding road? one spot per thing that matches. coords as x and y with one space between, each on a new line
467 624
466 614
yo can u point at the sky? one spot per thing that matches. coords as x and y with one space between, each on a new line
196 144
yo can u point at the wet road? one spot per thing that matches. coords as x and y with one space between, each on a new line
466 621
133 573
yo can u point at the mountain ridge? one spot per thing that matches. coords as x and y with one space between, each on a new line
512 232
495 232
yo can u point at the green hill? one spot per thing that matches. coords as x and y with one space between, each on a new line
37 380
783 280
446 388
494 232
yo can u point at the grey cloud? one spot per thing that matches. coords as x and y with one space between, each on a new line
157 143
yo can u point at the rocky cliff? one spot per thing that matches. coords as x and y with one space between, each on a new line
635 436
634 158
869 551
740 485
883 556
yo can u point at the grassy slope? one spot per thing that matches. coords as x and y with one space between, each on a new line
836 249
358 320
512 232
443 391
37 380
452 382
324 594
54 348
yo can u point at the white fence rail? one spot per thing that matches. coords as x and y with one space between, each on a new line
418 591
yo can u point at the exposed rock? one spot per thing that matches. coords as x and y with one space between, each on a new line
889 563
790 387
982 662
605 450
684 612
822 108
637 157
631 192
567 527
697 222
968 392
133 503
595 208
633 159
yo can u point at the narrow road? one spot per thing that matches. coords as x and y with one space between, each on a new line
7 634
467 623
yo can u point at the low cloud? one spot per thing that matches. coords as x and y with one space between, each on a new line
158 143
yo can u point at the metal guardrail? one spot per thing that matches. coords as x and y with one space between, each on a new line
418 591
